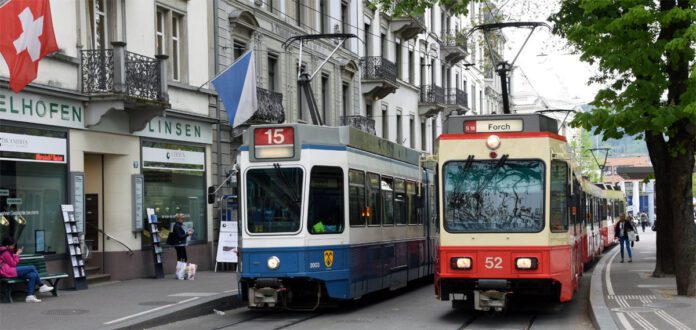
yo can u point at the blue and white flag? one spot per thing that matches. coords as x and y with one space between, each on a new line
236 86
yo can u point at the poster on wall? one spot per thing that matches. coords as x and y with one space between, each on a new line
227 242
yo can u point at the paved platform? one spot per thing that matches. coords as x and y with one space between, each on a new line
626 296
133 304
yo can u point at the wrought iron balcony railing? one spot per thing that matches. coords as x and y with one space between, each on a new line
362 123
456 96
452 38
117 71
432 94
270 107
377 68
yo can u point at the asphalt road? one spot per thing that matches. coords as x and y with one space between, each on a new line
412 308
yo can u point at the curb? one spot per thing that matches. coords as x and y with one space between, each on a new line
599 312
179 313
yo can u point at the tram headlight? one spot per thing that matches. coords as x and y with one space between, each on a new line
493 142
460 263
273 263
526 263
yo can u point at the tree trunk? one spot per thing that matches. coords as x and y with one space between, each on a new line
664 259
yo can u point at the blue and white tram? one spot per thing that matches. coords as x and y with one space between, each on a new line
330 214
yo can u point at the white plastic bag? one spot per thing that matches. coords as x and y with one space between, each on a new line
180 270
191 271
632 236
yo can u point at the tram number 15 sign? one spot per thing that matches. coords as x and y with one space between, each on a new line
274 142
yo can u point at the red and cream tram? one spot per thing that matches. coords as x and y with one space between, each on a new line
515 219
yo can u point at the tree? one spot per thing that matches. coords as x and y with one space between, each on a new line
581 148
645 53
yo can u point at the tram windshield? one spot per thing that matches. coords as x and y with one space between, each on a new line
494 196
273 200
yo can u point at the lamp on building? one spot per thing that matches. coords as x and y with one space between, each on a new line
4 227
20 223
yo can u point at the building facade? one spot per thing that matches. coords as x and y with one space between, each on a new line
115 123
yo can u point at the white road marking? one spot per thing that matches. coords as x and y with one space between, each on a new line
150 311
194 294
230 291
607 278
671 320
624 321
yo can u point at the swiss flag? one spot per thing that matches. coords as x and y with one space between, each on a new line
26 37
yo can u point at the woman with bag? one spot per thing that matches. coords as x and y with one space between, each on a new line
179 238
9 258
621 232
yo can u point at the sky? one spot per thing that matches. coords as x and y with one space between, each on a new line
546 59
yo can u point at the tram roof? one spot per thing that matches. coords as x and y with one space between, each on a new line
459 124
321 137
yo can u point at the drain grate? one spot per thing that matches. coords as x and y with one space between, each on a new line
63 312
156 303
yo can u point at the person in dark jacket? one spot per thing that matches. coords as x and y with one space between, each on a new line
621 230
9 258
180 235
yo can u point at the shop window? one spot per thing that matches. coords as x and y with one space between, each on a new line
325 213
175 183
33 185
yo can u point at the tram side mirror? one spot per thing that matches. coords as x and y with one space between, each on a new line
211 195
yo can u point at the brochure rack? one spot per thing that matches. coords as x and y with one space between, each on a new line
72 237
156 243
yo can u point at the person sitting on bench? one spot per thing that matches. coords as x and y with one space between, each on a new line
9 257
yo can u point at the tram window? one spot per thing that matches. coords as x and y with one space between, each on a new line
325 212
400 202
373 208
358 213
387 189
273 200
493 196
559 196
411 192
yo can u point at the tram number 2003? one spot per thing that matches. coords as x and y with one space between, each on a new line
494 262
313 265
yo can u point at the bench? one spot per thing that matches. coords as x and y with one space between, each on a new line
37 261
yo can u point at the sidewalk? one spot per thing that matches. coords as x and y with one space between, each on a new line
129 304
626 296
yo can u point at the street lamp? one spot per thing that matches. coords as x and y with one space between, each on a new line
604 163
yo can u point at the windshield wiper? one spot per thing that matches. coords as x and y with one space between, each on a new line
291 185
502 161
469 162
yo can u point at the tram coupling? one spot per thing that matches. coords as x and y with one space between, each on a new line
265 292
490 300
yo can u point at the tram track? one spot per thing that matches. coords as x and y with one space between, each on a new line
490 321
266 320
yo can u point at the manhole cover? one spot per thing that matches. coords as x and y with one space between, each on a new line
156 303
634 309
65 312
663 305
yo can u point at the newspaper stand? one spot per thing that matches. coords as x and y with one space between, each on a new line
156 243
72 237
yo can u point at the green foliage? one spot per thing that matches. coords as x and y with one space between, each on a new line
637 45
418 7
580 147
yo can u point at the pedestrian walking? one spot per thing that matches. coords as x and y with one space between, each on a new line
643 220
179 238
621 232
9 258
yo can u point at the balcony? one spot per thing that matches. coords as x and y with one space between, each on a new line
453 46
378 77
362 123
432 100
118 80
408 27
270 108
456 100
